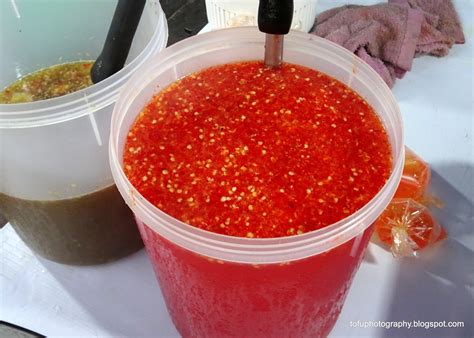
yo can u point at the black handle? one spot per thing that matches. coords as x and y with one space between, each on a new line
274 16
119 39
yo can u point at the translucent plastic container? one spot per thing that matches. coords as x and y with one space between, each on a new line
216 285
234 13
56 188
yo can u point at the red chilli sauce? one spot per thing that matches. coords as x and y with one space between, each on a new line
246 151
242 150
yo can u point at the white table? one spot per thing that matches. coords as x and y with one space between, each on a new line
123 298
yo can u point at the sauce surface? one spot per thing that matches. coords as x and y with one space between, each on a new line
49 82
246 151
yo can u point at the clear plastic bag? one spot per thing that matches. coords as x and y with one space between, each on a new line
408 226
416 177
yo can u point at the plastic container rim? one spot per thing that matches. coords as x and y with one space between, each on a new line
239 249
85 101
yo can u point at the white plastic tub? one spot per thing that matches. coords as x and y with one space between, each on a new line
206 278
56 149
234 13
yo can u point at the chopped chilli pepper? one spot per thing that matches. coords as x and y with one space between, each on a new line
242 150
54 81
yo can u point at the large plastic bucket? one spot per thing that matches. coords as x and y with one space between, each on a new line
216 285
56 188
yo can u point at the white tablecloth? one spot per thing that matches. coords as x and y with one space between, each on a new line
123 298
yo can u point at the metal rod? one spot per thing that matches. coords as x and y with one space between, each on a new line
273 50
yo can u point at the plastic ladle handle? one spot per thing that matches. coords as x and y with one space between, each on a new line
275 16
119 39
274 19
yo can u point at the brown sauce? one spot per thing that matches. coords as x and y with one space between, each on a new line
91 229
